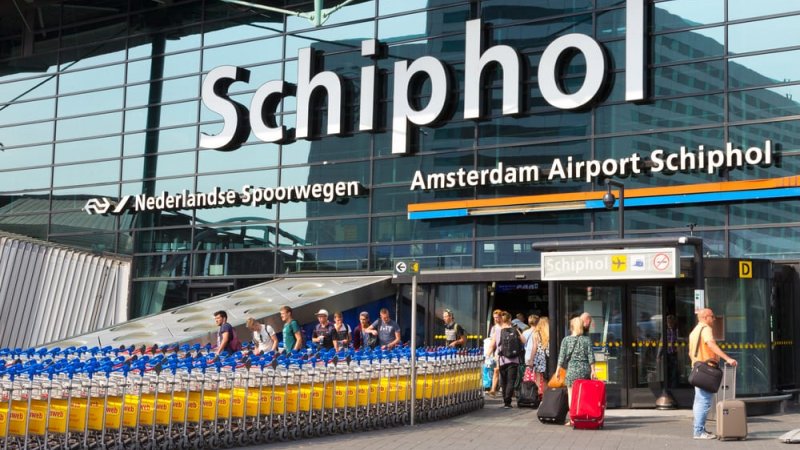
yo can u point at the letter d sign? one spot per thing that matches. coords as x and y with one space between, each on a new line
745 269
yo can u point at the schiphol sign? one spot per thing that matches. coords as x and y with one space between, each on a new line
479 58
623 264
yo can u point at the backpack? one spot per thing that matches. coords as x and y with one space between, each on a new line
510 346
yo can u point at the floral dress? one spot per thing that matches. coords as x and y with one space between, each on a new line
580 362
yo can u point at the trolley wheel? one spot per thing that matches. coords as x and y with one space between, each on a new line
227 441
331 428
295 434
282 435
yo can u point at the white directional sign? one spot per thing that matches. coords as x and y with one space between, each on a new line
406 268
623 264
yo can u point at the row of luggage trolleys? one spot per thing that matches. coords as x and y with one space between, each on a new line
196 402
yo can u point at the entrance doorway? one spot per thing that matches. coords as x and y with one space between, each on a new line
520 297
639 333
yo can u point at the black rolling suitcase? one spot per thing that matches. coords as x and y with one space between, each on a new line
528 395
554 407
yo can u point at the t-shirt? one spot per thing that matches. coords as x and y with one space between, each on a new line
263 337
225 328
704 353
452 332
386 331
529 350
289 339
326 331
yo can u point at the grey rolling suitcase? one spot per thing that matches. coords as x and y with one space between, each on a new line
731 413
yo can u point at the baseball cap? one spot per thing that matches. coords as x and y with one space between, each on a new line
322 312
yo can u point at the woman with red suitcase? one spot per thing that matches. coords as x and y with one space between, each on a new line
575 354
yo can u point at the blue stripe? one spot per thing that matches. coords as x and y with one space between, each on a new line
437 214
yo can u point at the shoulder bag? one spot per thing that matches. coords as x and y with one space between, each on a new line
559 379
705 374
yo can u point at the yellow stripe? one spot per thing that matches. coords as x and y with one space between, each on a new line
700 188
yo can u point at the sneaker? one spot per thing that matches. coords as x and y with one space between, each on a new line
506 406
705 435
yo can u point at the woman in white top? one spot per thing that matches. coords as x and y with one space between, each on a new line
263 336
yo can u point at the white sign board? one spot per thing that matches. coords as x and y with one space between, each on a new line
623 264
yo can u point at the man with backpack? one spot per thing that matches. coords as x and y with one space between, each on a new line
510 345
226 336
454 334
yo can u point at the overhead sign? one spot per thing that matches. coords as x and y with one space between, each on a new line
745 269
623 264
406 268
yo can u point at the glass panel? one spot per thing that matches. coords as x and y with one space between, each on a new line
26 89
386 7
611 24
26 156
96 78
164 241
462 301
742 310
509 253
540 34
345 259
348 13
450 255
95 125
26 203
785 134
152 296
243 54
604 304
247 157
401 28
760 70
509 130
179 113
765 103
181 64
242 28
31 225
168 140
172 90
90 102
327 232
743 9
688 79
332 39
86 173
538 224
646 326
766 243
27 111
687 13
225 264
88 149
26 134
399 228
688 45
20 180
235 235
764 212
704 109
772 33
503 11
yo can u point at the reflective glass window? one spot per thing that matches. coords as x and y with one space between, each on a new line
386 7
405 27
237 213
743 9
330 39
506 253
661 218
675 14
540 34
704 109
243 234
509 130
74 198
30 88
32 225
88 149
324 232
785 136
159 185
179 113
242 28
235 180
139 71
90 102
327 149
357 11
391 200
20 180
94 241
691 78
243 53
542 223
172 90
688 45
611 24
230 263
246 157
431 255
399 228
764 34
181 64
167 140
95 125
504 11
167 165
761 70
86 173
345 206
25 156
764 212
340 259
97 78
765 103
18 112
99 53
18 135
149 297
29 202
156 266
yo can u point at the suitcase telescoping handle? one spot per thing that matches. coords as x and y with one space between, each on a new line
728 381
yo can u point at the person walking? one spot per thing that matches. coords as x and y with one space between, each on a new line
387 330
497 318
264 336
576 356
454 334
702 339
541 355
226 336
292 334
509 356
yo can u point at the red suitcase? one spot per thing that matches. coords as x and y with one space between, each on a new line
588 408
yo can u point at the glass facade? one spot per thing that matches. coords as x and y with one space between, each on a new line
106 102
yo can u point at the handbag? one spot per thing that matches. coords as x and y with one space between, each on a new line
705 374
527 377
559 378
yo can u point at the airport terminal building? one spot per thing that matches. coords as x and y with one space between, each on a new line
218 144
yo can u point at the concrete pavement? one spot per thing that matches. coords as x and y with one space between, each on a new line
495 428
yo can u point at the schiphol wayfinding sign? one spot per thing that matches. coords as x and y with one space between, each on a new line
624 264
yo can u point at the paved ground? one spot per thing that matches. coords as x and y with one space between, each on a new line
495 428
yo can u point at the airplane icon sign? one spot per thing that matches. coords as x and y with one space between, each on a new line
619 263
